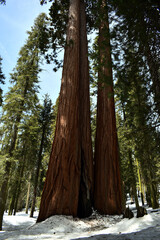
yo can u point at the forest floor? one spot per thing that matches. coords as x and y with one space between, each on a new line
95 227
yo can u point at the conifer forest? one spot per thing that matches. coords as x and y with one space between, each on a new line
100 141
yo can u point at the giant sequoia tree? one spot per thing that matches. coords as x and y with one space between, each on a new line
67 189
107 191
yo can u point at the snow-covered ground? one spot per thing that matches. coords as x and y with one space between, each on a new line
95 227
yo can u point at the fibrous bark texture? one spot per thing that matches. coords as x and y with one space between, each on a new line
67 187
107 189
86 181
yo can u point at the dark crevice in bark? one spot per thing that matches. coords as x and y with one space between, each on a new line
69 177
84 203
60 193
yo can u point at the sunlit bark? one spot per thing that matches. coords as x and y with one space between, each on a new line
68 183
85 192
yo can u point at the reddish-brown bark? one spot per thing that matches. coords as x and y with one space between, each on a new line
68 181
107 189
84 205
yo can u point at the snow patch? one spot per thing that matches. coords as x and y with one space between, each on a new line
21 227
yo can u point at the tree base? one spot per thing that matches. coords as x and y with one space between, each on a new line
128 213
141 211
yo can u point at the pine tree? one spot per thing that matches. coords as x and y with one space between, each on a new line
45 122
140 21
135 47
136 124
26 152
21 97
1 80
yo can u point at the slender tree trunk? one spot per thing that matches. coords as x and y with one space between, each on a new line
4 187
28 194
133 180
153 190
140 210
16 188
11 206
19 182
150 182
3 192
148 196
37 172
140 182
107 190
154 200
13 199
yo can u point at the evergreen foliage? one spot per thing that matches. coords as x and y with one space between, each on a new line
3 2
135 40
21 102
2 77
45 119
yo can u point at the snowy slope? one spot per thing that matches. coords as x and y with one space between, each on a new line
96 227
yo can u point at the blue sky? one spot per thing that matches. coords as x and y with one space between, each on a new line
16 18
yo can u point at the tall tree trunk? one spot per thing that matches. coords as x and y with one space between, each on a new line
37 172
4 187
107 190
19 182
28 193
16 188
140 182
67 189
153 189
61 190
3 192
86 181
11 206
133 179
